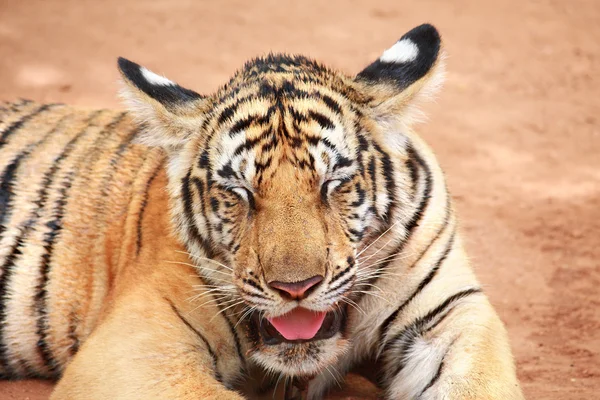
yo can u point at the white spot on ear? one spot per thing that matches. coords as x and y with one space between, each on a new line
155 79
403 51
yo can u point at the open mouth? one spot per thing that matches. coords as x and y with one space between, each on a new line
300 325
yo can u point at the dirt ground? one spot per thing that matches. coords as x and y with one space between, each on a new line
516 129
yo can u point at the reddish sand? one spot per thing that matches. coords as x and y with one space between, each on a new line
516 129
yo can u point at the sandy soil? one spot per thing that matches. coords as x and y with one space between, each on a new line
516 128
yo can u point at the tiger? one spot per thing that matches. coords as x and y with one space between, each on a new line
264 240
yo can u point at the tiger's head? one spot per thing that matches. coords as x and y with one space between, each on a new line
281 179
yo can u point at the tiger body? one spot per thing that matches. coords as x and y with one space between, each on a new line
85 210
156 253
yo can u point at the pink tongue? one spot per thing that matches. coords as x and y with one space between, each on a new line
299 323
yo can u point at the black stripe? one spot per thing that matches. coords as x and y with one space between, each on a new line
341 274
9 172
341 284
252 283
372 168
433 380
227 113
356 235
203 161
114 163
418 214
332 104
211 352
4 285
236 339
430 316
321 119
9 263
15 126
202 200
413 169
383 330
227 172
326 143
338 286
252 294
241 125
363 143
191 227
362 196
143 208
297 116
6 189
250 143
41 296
387 168
341 162
72 334
416 329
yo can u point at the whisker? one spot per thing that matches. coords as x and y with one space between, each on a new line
374 295
370 266
337 382
199 267
248 312
375 241
227 308
375 286
378 250
276 384
353 304
369 273
204 293
227 287
219 303
206 259
198 296
385 260
390 276
221 297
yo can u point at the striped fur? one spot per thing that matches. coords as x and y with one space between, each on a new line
137 248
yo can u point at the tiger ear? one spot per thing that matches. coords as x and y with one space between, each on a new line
409 70
168 113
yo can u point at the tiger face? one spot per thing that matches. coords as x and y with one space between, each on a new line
288 212
281 179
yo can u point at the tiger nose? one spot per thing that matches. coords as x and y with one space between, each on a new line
296 290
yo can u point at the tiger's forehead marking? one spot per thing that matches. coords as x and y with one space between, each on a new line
294 129
284 74
283 109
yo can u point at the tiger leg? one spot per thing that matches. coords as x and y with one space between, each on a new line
148 347
458 352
